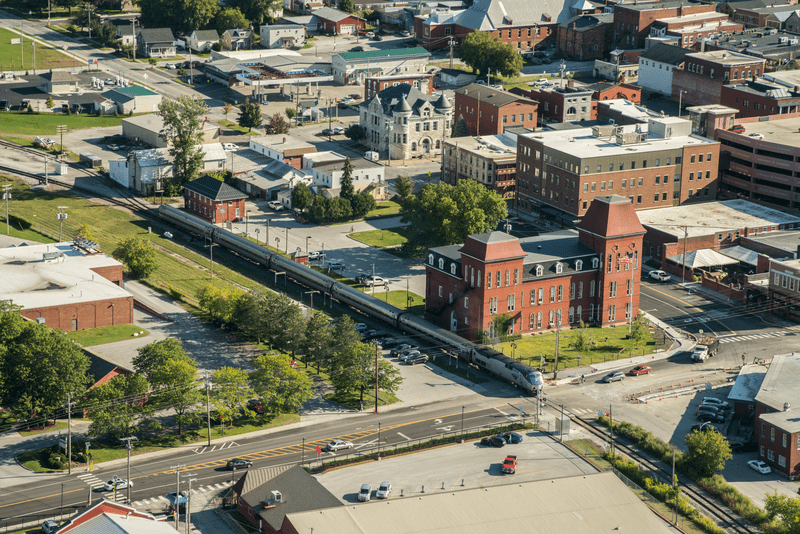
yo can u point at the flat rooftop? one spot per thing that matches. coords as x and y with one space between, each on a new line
748 383
495 146
726 57
781 386
282 142
787 78
711 217
786 240
782 131
697 17
42 276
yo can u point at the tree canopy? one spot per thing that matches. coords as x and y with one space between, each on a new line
403 186
276 125
250 115
182 15
182 120
230 17
117 407
302 196
484 53
444 214
347 190
257 10
786 509
708 452
138 255
154 355
356 371
281 387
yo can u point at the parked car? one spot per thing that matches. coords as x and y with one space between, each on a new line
355 96
497 86
540 81
405 33
761 467
370 281
334 266
369 34
408 354
384 490
338 444
389 342
713 401
749 446
238 463
229 147
417 358
117 483
705 417
377 38
510 465
365 493
614 377
737 128
512 437
640 370
344 104
357 49
480 82
49 527
338 131
401 348
493 441
314 255
756 136
707 408
327 131
361 327
703 427
660 276
275 205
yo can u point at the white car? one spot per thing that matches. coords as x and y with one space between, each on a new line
364 493
229 147
339 444
661 276
340 131
384 490
275 205
118 483
369 34
540 81
314 255
713 401
756 136
335 266
761 467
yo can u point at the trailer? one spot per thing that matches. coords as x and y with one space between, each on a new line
93 162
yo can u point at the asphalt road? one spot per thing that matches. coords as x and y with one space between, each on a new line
155 477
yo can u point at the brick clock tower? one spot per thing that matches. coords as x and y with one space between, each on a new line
612 229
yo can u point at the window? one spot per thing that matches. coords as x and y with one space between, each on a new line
628 287
560 293
612 313
579 265
441 263
452 268
450 299
552 321
440 291
571 314
516 277
770 452
612 289
479 279
498 279
539 270
580 290
533 297
591 288
430 259
781 460
488 280
785 440
772 434
541 295
552 293
595 263
539 322
508 277
761 451
624 183
511 302
610 256
559 268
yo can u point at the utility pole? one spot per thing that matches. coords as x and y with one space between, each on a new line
133 32
7 197
373 285
208 407
69 432
683 267
61 216
129 445
46 176
60 129
452 43
611 426
177 469
33 47
558 332
376 380
211 252
189 503
287 240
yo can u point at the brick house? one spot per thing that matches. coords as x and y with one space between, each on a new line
615 91
338 22
784 288
757 98
562 104
704 74
555 280
213 200
375 84
488 111
586 37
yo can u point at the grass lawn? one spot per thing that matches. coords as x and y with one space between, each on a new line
233 126
106 334
11 55
390 237
28 142
351 398
384 209
45 123
416 303
33 431
610 345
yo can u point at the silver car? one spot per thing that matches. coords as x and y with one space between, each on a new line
613 377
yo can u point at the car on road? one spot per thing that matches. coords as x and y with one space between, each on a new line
229 147
703 427
238 463
49 527
713 401
116 483
361 327
705 417
760 466
417 358
405 33
357 49
641 370
369 34
338 444
737 128
275 205
614 377
327 131
510 465
512 437
756 136
314 255
334 266
660 276
377 38
338 131
384 490
493 441
365 493
700 353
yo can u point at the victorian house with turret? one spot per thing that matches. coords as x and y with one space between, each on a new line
402 122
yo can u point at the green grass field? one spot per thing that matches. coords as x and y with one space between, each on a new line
23 123
20 57
390 237
233 126
384 209
106 334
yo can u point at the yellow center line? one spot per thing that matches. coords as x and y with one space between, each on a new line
701 310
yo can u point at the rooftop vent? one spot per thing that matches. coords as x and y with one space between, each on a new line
276 497
786 406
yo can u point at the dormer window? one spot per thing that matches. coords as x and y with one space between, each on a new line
452 268
430 259
579 265
595 263
441 263
559 268
539 270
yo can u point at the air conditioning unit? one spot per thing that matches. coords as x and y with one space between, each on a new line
276 497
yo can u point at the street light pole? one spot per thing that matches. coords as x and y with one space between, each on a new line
129 445
211 253
7 197
462 424
307 238
208 407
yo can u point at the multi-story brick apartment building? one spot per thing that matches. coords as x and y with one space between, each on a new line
490 160
543 283
586 37
775 47
751 16
758 98
562 103
704 73
655 165
691 29
784 288
213 200
375 84
488 111
632 21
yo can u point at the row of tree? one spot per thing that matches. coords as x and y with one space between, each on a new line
348 204
189 15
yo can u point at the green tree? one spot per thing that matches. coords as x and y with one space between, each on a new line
195 14
640 329
356 371
291 113
582 339
348 191
230 17
117 407
501 324
157 354
126 49
786 509
50 103
81 19
276 125
219 302
708 452
282 388
152 61
271 317
227 108
347 6
302 196
316 343
339 208
355 132
105 34
319 209
138 255
460 128
182 120
344 338
443 214
257 10
69 4
87 231
362 204
175 385
482 53
231 392
249 115
403 186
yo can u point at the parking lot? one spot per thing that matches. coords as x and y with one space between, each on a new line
464 466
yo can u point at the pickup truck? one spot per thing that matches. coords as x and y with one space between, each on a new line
510 465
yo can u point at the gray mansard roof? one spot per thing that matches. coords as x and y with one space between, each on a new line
406 98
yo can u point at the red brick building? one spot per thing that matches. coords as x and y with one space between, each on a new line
691 29
632 21
562 104
757 98
338 22
704 73
487 111
375 84
213 200
586 37
108 516
83 285
541 282
615 91
490 160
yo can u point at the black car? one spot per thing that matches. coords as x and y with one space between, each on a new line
357 49
703 427
4 105
327 131
390 342
377 38
706 417
494 441
238 463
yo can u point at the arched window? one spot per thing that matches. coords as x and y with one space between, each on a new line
532 322
571 314
472 278
580 316
452 268
441 263
552 321
559 268
438 144
539 270
571 110
579 265
572 291
595 263
591 289
560 293
430 259
413 147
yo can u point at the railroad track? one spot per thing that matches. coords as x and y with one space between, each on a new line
725 518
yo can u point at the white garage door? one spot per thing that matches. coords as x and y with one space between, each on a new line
347 28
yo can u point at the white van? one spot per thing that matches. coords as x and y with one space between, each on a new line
372 156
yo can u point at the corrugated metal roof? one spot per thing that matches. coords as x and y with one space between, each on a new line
385 54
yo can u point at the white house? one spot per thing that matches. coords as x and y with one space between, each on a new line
329 174
656 65
202 40
283 35
282 147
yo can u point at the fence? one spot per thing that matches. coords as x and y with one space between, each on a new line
12 524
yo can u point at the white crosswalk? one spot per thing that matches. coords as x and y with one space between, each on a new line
227 445
162 501
91 480
583 411
754 336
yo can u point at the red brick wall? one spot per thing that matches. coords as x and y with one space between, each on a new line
526 37
112 273
636 24
583 45
294 161
491 117
629 92
213 211
372 86
736 99
88 314
791 452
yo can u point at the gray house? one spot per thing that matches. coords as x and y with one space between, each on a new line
202 40
155 42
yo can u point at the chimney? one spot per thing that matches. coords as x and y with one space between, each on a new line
570 83
786 406
284 140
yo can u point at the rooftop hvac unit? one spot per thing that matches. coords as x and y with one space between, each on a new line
276 497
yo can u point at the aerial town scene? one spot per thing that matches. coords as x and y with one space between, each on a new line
400 266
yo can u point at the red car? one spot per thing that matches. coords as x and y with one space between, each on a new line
737 128
640 370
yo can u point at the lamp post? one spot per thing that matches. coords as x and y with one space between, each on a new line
246 221
462 424
307 238
680 101
257 232
7 197
211 254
